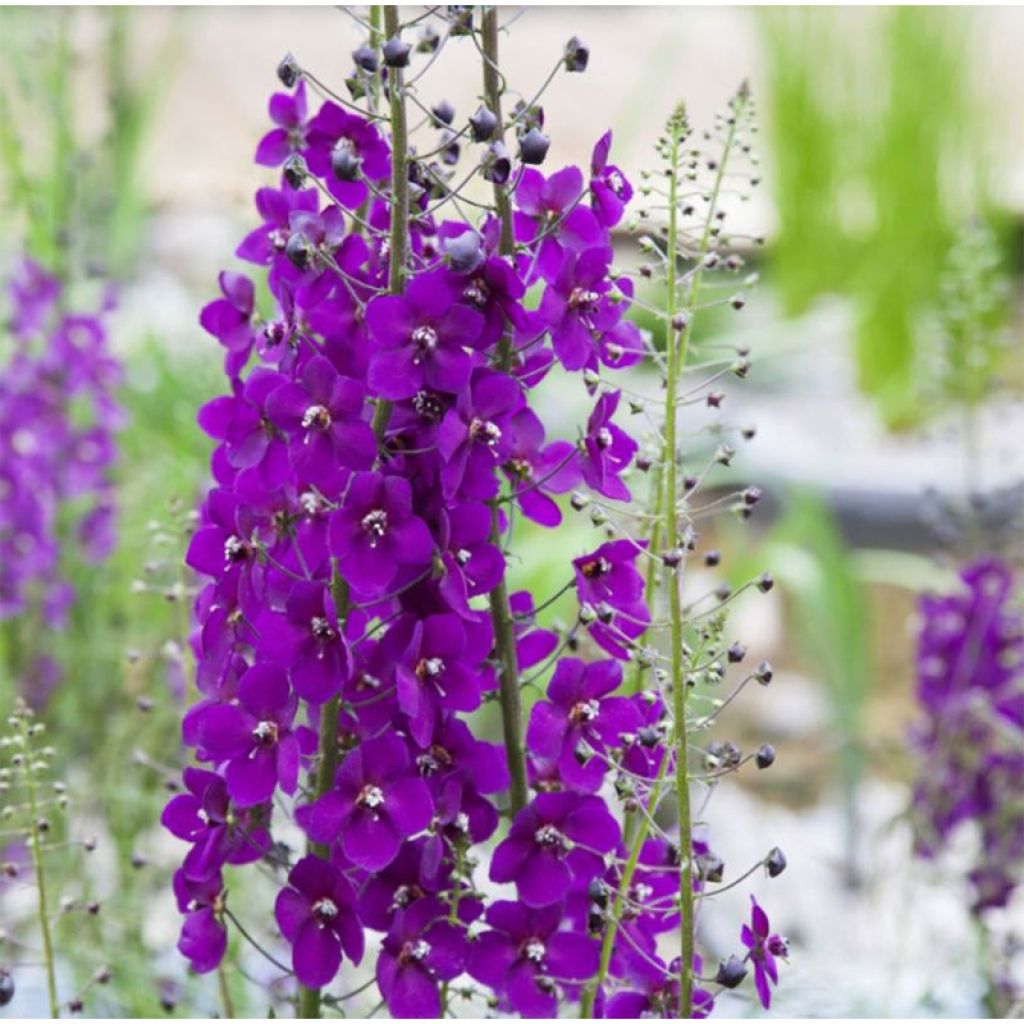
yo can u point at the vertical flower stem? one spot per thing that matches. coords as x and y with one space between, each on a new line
676 354
327 766
36 845
501 616
225 993
397 251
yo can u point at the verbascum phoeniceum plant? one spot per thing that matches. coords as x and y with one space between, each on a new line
378 443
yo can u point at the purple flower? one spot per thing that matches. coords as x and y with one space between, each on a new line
338 139
606 450
275 207
474 438
610 190
656 992
763 947
377 801
607 581
254 736
289 113
472 564
581 724
229 320
316 914
204 939
557 840
421 337
535 469
375 533
523 957
422 949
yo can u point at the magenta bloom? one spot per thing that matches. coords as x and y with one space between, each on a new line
763 947
254 736
473 565
316 914
606 450
378 800
339 138
375 532
421 338
524 951
610 190
551 846
204 939
422 949
289 113
581 723
654 991
229 320
608 581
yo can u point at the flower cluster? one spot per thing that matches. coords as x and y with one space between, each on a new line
377 442
970 687
58 422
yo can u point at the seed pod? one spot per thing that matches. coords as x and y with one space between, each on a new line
577 55
775 862
288 70
396 53
534 146
765 756
730 972
482 124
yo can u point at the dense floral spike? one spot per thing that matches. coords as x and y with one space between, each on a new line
970 686
59 418
377 439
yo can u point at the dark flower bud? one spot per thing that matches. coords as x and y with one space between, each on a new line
450 153
763 673
605 613
534 146
690 482
765 756
577 55
765 582
444 112
730 972
429 39
737 302
679 321
775 862
396 53
460 17
288 70
672 558
715 399
482 124
366 58
6 987
710 867
497 164
138 860
579 500
712 558
295 170
649 736
92 908
102 976
741 368
723 591
597 893
643 463
299 250
724 455
751 496
42 825
464 253
736 653
76 1005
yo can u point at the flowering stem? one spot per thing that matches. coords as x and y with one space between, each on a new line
501 616
35 842
676 355
397 252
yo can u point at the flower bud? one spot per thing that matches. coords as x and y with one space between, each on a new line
6 986
710 867
482 124
396 53
299 250
763 673
464 253
765 756
295 170
444 112
579 500
730 972
765 582
715 399
534 146
712 558
577 55
365 57
736 653
497 164
288 70
751 496
429 39
775 862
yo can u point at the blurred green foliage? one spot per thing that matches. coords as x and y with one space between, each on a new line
78 197
878 152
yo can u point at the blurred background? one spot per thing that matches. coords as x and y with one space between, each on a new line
888 372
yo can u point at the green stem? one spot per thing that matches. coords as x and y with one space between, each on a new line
225 993
327 766
501 615
35 842
398 251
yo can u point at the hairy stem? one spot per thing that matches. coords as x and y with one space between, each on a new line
501 615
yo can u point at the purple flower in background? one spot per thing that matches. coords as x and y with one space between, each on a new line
316 914
606 450
378 800
763 946
610 190
580 723
556 841
574 305
229 320
254 736
289 113
375 533
422 949
609 584
523 952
